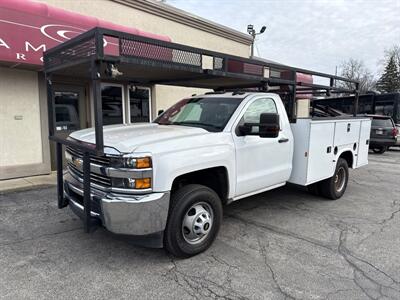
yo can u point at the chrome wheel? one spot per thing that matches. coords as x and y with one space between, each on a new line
340 179
197 223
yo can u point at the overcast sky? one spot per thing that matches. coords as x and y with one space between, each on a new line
316 35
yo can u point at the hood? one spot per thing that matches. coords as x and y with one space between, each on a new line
127 137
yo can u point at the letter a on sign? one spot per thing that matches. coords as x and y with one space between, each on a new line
3 44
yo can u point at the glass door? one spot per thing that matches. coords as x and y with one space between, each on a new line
139 104
113 105
70 112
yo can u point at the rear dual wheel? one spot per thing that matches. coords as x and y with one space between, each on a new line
334 187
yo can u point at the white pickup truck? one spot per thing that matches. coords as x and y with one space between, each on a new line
168 180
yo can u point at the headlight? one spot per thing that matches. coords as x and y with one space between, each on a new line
132 183
140 178
137 162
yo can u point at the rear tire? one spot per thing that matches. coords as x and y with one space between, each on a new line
379 150
333 188
194 220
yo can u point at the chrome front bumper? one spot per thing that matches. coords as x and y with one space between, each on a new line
125 214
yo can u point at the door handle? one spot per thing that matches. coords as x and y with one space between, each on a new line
284 140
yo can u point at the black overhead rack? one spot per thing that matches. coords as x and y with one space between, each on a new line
140 60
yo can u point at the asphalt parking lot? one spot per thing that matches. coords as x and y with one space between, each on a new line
283 244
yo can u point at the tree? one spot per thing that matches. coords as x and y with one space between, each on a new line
389 82
355 69
394 51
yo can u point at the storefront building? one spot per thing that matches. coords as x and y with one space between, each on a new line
28 28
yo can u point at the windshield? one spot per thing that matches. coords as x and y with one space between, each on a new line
210 113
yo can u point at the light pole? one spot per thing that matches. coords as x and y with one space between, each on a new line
253 33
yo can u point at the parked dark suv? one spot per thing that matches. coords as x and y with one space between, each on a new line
383 133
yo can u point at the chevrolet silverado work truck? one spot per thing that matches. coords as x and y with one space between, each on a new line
167 181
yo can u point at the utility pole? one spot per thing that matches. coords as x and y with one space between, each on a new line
253 33
335 74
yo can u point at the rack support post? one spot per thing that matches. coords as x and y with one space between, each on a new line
50 105
62 202
86 192
293 104
98 111
357 93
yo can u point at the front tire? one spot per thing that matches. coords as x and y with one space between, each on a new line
194 220
333 188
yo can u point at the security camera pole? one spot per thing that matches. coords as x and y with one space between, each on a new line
253 33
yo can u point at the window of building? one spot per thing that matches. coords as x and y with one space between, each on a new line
139 104
112 103
67 110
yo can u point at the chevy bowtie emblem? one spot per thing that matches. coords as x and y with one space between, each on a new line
78 162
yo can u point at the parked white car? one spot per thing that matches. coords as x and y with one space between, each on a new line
168 180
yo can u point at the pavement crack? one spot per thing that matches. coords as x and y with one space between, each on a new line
392 215
223 262
263 252
367 274
200 287
284 232
337 292
340 248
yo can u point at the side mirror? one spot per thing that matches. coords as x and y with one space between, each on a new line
269 125
245 129
160 112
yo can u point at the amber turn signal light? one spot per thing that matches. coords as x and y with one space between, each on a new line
143 162
143 183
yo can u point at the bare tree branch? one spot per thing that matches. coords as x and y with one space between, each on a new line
355 69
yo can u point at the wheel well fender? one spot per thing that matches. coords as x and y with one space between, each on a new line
215 178
348 155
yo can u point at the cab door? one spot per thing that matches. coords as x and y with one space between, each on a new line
261 162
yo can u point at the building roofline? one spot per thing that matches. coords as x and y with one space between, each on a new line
172 13
268 61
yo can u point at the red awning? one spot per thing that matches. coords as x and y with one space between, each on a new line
28 28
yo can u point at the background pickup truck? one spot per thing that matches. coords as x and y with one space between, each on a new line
167 181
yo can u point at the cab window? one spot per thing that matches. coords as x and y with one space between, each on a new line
255 109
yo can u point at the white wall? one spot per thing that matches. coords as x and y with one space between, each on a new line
20 140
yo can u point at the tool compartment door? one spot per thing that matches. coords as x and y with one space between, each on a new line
347 132
363 144
321 163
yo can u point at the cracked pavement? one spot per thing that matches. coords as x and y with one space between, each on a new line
282 244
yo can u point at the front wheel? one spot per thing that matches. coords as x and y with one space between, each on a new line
194 220
333 188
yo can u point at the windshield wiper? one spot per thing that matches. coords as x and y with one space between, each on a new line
188 123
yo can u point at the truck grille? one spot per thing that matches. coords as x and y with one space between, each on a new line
99 160
102 181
